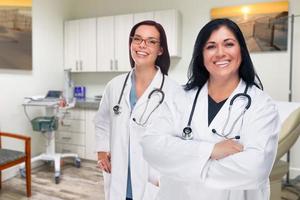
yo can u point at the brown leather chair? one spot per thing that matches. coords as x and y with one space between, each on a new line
9 158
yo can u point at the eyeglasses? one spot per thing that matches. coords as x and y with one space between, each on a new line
150 42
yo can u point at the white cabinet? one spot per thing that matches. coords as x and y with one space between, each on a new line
123 25
171 22
90 135
112 42
70 136
80 45
105 44
77 134
71 47
138 17
101 44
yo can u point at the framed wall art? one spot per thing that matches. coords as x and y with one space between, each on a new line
264 25
15 34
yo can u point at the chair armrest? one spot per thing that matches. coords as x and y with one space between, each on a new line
12 135
27 140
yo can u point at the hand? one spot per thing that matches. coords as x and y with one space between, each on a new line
157 184
225 148
104 161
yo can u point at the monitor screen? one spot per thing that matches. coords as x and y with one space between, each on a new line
54 94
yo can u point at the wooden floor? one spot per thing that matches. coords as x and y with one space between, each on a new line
75 184
291 193
85 183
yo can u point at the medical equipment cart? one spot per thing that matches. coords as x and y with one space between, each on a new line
47 125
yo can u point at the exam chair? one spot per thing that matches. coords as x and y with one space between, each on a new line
289 132
10 158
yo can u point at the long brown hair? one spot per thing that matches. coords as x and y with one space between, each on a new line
163 60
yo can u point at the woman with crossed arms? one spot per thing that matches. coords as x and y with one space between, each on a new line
221 144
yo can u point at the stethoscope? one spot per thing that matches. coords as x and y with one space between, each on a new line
117 108
187 133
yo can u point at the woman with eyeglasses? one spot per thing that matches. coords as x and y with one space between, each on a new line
128 104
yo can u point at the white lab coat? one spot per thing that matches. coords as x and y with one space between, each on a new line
188 173
115 133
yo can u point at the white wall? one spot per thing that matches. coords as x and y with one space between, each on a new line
272 67
47 72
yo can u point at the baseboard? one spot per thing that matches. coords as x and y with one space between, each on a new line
13 171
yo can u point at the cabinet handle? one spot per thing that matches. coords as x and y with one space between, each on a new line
81 65
116 64
111 64
66 125
66 138
76 65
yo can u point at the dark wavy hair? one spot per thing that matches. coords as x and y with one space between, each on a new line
198 74
162 61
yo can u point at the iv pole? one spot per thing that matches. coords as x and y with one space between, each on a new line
290 87
290 82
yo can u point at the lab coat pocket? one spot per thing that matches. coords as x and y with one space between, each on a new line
151 191
106 179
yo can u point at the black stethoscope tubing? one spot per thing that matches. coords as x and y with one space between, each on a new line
117 108
187 131
140 123
245 95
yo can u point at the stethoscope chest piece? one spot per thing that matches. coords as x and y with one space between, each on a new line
117 109
187 133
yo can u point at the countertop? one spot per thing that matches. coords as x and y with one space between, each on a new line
87 103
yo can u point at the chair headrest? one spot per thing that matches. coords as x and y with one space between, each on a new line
290 123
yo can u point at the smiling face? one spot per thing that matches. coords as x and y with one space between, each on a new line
222 55
145 46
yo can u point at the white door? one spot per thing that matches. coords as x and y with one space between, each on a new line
123 25
105 43
87 45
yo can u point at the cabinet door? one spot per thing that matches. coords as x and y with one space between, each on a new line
123 25
71 45
170 20
87 44
71 125
105 43
78 114
138 17
66 137
90 135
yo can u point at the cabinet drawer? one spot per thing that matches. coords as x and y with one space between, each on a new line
74 114
69 148
70 138
72 126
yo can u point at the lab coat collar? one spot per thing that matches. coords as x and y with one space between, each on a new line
238 105
155 83
127 89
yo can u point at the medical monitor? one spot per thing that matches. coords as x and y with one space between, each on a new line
53 94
